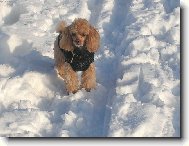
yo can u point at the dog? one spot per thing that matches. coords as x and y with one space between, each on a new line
74 51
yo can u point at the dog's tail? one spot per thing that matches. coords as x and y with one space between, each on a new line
60 27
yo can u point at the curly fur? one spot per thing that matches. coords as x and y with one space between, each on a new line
92 41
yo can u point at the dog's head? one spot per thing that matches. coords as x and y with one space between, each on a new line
79 30
79 33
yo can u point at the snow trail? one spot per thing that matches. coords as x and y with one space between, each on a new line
111 40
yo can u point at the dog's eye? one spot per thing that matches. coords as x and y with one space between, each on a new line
83 34
73 34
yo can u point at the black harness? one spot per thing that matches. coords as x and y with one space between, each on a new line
79 59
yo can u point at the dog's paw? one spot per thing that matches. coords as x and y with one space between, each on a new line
75 91
88 89
72 92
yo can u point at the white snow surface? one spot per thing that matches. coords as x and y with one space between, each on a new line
138 70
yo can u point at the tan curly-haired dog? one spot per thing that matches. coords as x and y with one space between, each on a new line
80 34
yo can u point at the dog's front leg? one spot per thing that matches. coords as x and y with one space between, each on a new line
88 78
71 79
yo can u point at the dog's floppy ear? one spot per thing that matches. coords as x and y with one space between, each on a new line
93 40
66 40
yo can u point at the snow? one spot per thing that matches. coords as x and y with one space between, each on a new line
138 70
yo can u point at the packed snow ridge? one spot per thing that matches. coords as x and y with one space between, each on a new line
138 70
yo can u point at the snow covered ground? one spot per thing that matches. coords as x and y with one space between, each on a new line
138 70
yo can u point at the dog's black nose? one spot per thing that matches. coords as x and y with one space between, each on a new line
77 41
